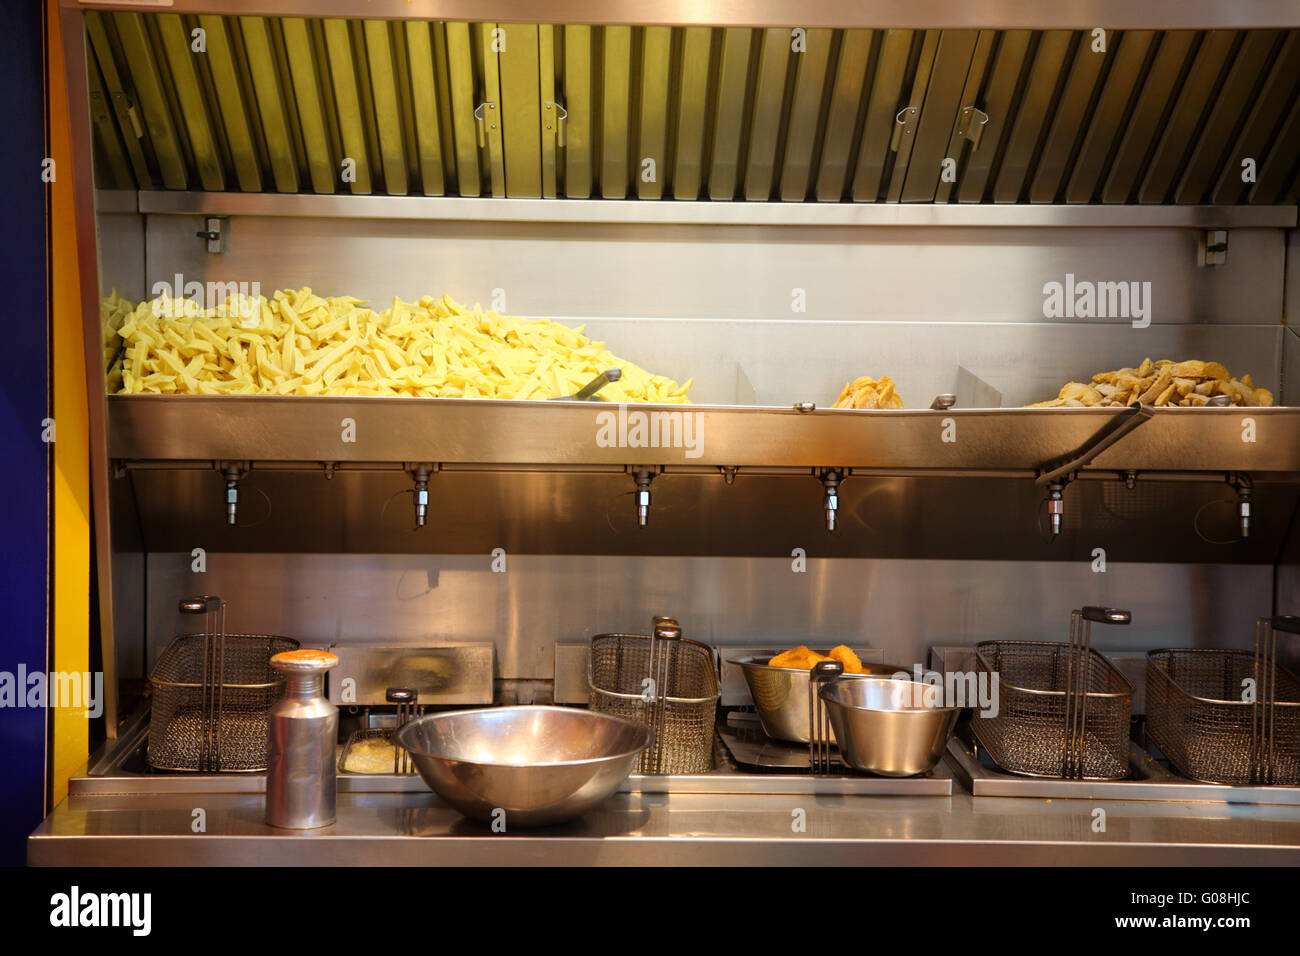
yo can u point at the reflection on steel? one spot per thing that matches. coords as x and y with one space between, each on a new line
496 432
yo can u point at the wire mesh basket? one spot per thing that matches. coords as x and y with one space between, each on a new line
1043 730
680 706
1201 718
212 695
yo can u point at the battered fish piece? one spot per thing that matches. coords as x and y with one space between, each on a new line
804 659
844 654
799 657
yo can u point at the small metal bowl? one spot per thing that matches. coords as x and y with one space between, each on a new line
884 728
540 765
781 694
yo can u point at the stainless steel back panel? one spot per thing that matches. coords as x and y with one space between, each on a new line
900 607
444 673
638 270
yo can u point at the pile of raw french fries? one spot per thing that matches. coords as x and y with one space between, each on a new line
1165 382
300 343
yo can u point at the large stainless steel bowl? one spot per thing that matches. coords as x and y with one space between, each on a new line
781 694
541 765
884 727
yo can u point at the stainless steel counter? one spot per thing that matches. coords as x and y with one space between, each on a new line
674 829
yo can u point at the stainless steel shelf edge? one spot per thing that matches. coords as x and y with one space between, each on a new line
815 215
307 429
1157 784
1078 15
939 784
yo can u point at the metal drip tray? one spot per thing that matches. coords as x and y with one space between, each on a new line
1150 778
746 760
122 768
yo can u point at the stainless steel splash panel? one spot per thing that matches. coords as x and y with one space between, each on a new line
900 607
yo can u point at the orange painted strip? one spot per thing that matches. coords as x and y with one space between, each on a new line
71 487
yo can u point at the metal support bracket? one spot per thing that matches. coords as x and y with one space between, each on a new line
1212 247
970 124
214 231
904 125
560 122
484 120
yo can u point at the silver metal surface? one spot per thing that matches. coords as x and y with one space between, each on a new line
953 516
592 211
212 694
298 429
1151 781
679 829
1204 720
422 598
739 272
1041 728
884 726
523 766
444 673
819 725
571 674
780 694
303 732
663 682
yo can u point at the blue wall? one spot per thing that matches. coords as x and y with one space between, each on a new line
23 403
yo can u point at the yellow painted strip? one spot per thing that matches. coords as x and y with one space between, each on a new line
71 556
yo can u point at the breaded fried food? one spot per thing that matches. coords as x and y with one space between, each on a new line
804 659
844 654
799 657
1189 383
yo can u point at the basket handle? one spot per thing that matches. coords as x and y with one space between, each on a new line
1107 615
819 736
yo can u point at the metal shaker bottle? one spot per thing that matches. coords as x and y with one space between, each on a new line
301 778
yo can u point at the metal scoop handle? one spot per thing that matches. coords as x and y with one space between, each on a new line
588 391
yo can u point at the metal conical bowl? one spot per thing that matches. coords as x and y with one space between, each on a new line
885 726
540 765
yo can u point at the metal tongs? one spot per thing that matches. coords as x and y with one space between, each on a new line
588 392
405 698
819 726
1077 671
